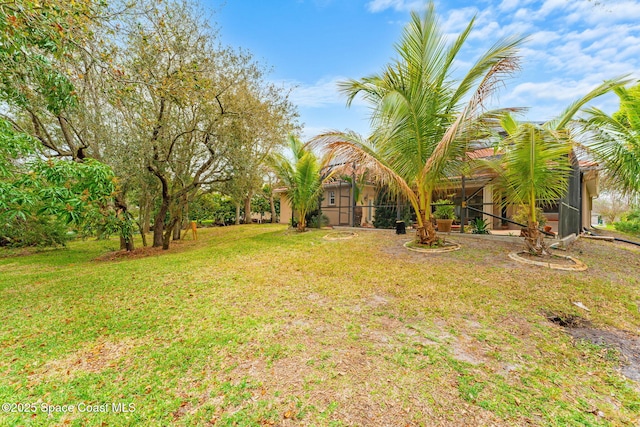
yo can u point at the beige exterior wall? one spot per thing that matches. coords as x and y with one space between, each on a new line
337 201
285 211
590 190
586 205
338 212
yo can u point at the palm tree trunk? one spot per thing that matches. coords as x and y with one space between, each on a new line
302 225
534 240
425 233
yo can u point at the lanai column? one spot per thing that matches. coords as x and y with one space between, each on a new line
487 197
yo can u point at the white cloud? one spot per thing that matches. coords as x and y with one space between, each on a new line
508 5
556 90
607 12
573 45
458 19
543 38
550 6
319 94
397 5
322 93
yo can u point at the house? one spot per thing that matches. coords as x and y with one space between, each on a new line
339 204
569 215
480 195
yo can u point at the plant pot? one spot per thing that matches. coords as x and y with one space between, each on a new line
444 225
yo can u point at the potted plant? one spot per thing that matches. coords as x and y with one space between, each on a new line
444 215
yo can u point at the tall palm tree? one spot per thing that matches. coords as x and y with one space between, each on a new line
300 174
422 117
615 139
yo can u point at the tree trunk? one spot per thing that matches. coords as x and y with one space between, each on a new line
158 224
126 241
302 221
142 234
168 232
247 209
237 213
425 233
126 244
178 224
273 209
145 213
534 240
176 230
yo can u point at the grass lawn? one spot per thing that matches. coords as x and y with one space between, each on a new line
256 325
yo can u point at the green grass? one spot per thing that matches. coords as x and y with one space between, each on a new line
257 325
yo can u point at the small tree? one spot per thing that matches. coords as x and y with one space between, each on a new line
301 175
534 169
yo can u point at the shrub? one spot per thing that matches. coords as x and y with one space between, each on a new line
39 231
630 223
479 226
387 208
318 221
522 215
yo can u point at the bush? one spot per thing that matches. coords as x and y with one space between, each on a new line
386 211
630 223
212 206
522 215
34 231
318 221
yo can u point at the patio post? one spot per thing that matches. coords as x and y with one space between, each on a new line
463 207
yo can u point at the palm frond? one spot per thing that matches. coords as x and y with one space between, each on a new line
535 166
614 141
350 147
567 115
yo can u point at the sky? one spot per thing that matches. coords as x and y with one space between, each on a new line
310 45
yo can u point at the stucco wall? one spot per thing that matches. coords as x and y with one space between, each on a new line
285 211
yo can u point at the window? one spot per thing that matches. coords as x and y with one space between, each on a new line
332 197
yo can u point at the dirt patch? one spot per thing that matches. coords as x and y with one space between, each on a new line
568 320
95 358
144 252
624 342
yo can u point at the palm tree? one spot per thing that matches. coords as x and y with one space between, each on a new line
536 163
422 118
534 169
300 174
615 139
